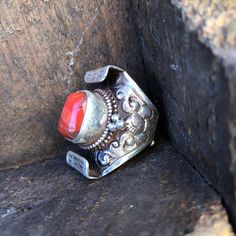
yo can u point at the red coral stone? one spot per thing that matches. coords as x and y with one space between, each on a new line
72 114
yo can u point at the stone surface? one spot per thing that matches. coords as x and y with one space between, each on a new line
215 25
213 223
187 50
189 47
156 193
45 49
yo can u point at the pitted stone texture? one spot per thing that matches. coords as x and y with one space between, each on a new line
45 49
156 193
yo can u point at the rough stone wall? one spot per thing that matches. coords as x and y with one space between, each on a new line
189 46
215 24
189 50
45 49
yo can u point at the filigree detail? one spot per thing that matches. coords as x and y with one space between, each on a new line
129 124
139 127
116 123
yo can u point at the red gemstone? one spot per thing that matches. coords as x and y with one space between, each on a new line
72 114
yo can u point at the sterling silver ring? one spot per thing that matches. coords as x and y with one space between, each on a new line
113 122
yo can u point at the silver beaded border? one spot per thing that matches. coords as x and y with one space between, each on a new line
111 109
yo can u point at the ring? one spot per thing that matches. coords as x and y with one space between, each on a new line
114 122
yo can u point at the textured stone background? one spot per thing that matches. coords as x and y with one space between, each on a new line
45 49
157 193
190 47
183 52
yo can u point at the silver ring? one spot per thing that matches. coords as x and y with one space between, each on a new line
113 122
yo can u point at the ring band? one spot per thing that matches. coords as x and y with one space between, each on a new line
113 122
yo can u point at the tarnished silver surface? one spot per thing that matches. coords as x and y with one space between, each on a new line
93 125
125 123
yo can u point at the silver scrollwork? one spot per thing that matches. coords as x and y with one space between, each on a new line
130 127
